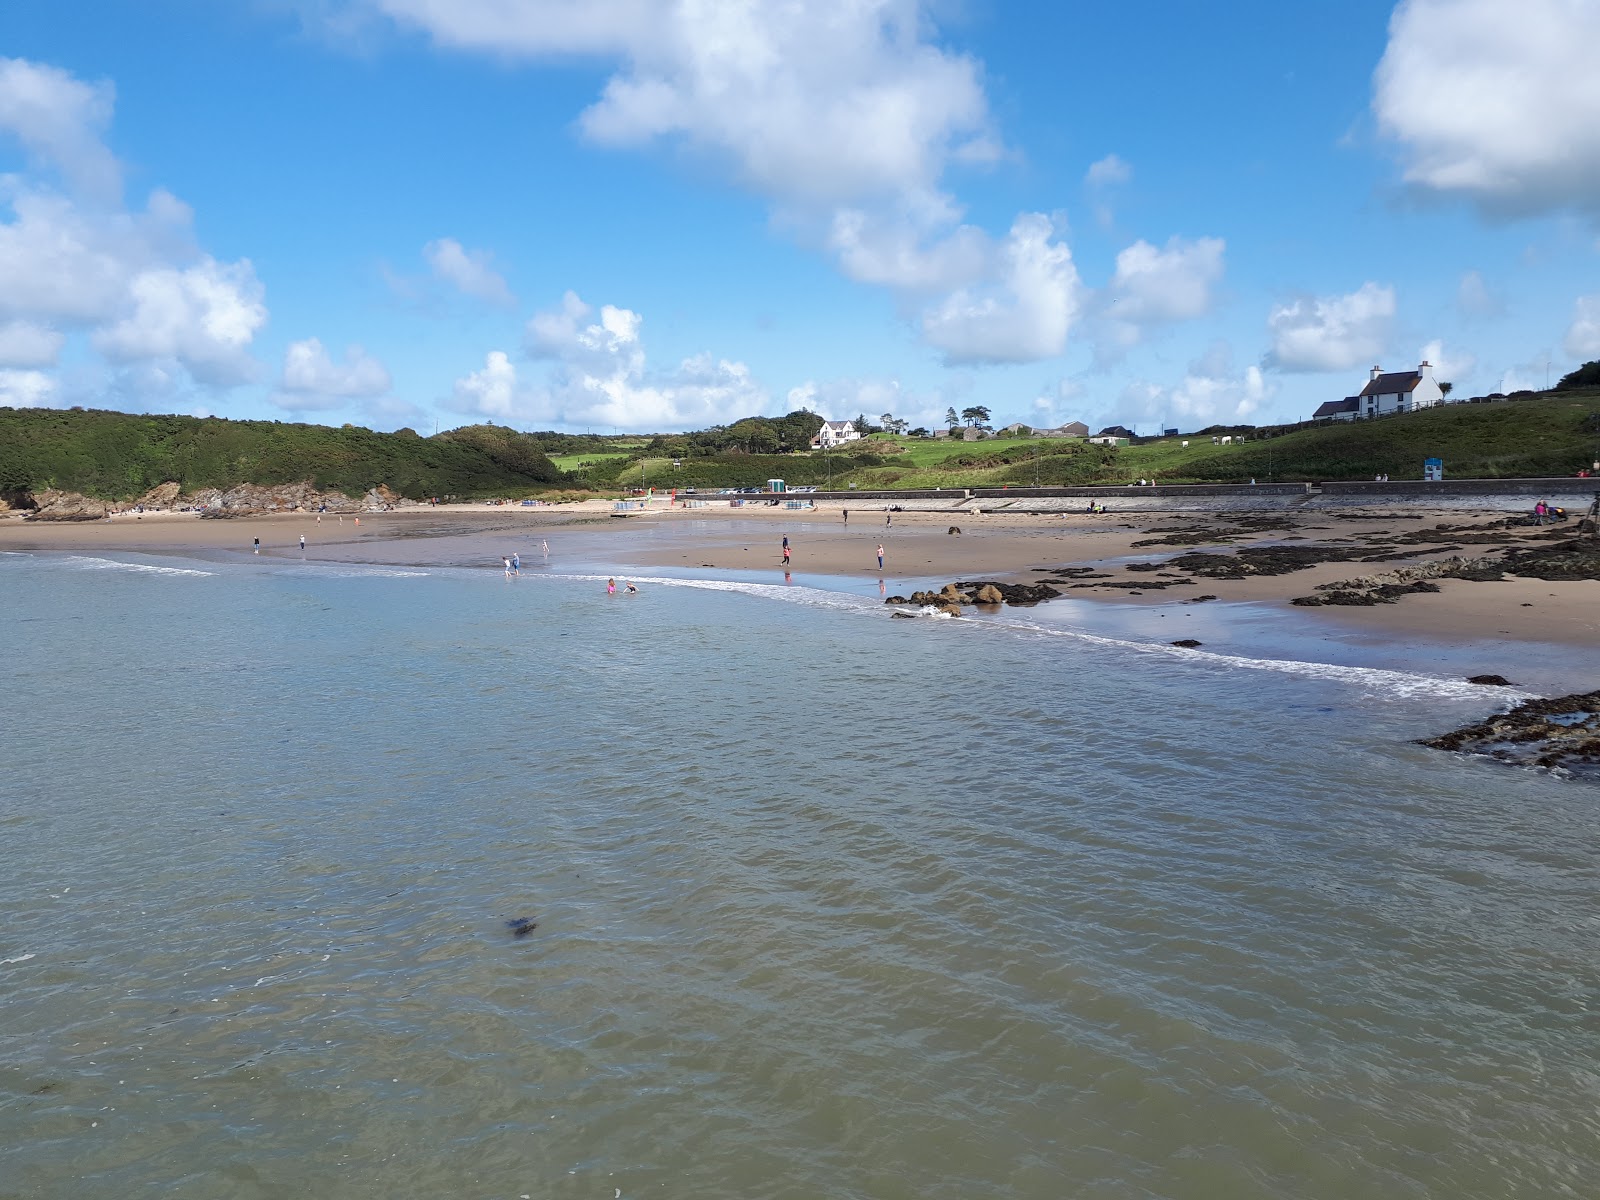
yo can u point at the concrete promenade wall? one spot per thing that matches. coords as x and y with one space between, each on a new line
1456 495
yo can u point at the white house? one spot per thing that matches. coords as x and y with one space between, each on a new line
1399 391
835 433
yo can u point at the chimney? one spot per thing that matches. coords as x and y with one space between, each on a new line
1376 371
1425 370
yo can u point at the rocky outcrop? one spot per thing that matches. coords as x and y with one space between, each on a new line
248 498
1563 732
1389 586
52 505
162 496
953 595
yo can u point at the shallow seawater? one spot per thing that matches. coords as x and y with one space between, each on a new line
827 904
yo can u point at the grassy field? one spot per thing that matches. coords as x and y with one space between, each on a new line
1554 434
577 462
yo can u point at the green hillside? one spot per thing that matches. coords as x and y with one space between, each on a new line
118 456
1554 433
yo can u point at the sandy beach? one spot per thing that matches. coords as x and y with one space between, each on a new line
1100 553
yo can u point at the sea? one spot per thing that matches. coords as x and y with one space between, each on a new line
326 879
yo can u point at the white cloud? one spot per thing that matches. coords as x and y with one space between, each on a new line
599 378
75 258
312 380
1448 366
1210 393
1153 286
1475 298
492 392
824 101
845 399
1583 335
1108 171
844 114
25 344
1332 333
26 389
470 271
1025 316
1496 102
893 253
60 120
204 316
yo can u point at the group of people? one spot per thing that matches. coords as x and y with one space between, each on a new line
1545 511
627 588
513 562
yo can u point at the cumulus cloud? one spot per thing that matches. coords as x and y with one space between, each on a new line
312 380
1210 393
1583 335
599 377
1496 102
824 101
74 259
844 114
60 120
1332 333
1025 315
469 271
1448 365
1154 286
26 389
845 398
204 316
25 344
895 254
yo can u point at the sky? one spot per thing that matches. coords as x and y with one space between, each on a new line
653 215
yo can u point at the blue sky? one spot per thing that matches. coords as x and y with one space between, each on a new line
652 215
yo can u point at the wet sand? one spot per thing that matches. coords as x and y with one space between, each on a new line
919 551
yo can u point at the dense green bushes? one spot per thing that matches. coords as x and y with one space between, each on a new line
121 455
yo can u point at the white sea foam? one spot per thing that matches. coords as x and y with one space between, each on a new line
4 962
80 562
1382 682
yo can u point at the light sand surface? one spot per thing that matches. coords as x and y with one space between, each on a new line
918 548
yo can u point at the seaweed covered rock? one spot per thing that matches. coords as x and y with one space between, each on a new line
1560 733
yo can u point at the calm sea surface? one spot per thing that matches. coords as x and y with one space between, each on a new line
828 905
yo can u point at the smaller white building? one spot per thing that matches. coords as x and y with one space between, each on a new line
835 433
1399 391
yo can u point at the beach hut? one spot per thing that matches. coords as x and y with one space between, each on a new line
775 485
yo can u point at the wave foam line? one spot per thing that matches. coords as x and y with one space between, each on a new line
1379 680
83 563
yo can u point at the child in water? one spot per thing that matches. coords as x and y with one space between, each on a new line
611 587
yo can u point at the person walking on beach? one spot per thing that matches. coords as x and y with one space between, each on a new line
546 545
258 546
516 564
786 550
507 561
847 516
302 543
888 518
880 556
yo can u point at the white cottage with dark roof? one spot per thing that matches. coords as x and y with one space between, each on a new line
1399 391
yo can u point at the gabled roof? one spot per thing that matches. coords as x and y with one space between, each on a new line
1332 408
1392 382
1115 431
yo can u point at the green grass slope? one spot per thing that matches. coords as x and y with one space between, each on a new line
117 456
